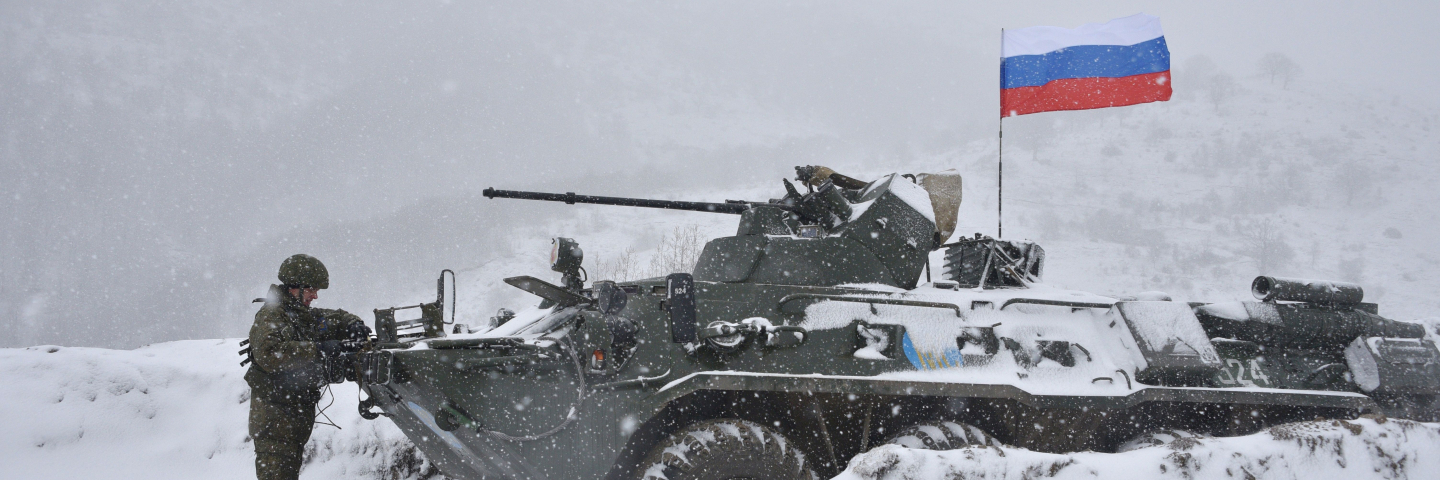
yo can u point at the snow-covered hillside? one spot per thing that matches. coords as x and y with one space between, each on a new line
178 411
1194 197
168 411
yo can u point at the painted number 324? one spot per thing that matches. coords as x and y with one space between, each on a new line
1240 372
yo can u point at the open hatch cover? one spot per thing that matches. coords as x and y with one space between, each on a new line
547 290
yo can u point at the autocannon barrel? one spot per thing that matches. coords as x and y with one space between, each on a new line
1299 290
731 207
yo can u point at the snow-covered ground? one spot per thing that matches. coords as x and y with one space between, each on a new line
168 411
178 410
1332 449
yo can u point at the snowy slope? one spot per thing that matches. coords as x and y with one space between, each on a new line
1196 197
168 411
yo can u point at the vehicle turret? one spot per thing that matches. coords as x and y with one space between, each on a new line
839 231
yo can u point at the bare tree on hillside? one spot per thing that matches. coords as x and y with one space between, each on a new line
622 267
1263 243
1277 66
1195 71
1221 88
1353 181
677 251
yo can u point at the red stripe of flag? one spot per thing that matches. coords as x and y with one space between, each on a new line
1086 93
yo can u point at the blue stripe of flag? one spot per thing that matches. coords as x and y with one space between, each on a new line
1085 61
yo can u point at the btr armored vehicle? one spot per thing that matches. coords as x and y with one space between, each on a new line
818 331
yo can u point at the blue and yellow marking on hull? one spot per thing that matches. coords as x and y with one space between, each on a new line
930 360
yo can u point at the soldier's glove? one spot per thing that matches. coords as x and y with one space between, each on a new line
352 346
331 348
358 331
338 348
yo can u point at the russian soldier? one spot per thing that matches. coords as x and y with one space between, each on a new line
291 345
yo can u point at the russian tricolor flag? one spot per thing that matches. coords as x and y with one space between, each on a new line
1120 62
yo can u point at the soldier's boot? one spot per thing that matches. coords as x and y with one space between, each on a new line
277 466
280 432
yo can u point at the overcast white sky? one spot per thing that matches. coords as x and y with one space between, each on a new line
158 159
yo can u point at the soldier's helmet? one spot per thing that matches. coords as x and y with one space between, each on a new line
301 270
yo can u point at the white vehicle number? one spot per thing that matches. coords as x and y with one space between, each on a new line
1243 372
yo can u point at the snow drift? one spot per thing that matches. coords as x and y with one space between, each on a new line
1362 448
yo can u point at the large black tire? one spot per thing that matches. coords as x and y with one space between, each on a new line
726 449
944 435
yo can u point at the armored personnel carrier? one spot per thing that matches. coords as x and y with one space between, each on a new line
809 337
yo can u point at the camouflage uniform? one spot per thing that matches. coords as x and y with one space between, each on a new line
286 378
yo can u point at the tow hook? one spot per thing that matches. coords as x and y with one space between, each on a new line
727 336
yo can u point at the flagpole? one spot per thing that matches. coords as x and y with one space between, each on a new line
1000 171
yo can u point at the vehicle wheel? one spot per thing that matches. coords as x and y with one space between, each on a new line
942 436
1158 438
726 449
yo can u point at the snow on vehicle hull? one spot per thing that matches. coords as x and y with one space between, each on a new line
1017 392
812 326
